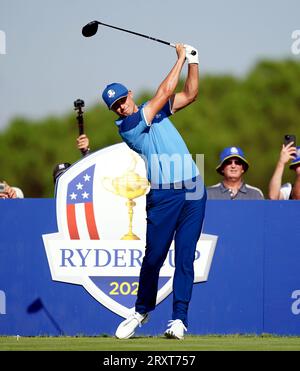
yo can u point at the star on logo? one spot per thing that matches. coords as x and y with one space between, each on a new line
85 195
79 186
73 196
86 178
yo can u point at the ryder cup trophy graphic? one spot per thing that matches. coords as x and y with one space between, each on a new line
129 185
108 268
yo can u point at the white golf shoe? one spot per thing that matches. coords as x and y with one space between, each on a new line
127 328
175 329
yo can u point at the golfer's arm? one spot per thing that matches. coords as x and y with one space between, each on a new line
164 91
275 182
190 90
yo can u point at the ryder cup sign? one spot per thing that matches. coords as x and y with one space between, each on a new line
101 218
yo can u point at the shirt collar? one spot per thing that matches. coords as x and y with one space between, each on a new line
223 188
242 189
119 121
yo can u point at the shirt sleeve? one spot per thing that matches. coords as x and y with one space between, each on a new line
166 110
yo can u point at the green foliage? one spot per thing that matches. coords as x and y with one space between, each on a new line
253 113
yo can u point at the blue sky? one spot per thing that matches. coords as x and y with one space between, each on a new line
48 64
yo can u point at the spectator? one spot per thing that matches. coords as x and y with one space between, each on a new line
288 191
233 165
7 191
83 145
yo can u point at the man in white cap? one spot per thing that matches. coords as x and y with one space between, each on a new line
232 167
288 191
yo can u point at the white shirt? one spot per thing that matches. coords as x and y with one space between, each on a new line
19 192
285 191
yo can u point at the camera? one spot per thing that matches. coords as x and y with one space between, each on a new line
2 187
79 103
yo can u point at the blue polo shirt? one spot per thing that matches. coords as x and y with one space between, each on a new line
166 155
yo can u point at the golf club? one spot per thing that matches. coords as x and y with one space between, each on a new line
91 29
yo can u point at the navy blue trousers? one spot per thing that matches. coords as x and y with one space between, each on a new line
170 216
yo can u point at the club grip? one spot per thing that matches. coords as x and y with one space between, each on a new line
193 52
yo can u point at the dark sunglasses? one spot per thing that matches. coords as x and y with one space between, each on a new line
118 103
231 161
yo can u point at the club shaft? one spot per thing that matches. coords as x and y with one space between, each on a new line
138 34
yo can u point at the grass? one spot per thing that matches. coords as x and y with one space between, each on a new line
191 343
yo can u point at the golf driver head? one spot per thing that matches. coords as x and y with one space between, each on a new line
90 29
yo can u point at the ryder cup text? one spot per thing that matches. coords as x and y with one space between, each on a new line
115 258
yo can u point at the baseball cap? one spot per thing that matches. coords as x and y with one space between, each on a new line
59 169
114 92
296 160
230 152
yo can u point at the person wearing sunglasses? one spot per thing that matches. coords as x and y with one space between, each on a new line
233 165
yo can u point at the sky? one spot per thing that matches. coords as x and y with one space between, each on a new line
46 63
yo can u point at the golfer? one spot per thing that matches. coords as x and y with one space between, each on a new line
176 201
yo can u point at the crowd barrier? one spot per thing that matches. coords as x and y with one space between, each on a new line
253 285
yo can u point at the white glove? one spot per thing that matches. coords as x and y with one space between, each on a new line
189 56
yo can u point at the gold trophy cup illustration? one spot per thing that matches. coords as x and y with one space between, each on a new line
129 185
